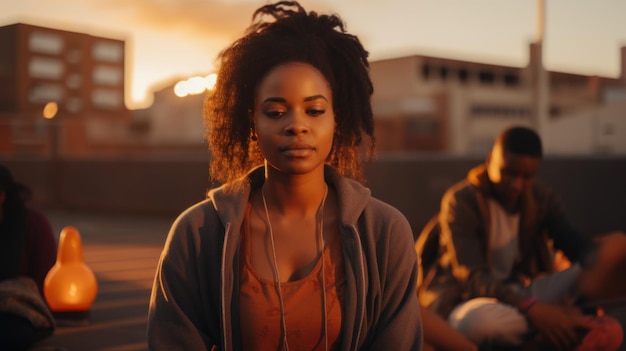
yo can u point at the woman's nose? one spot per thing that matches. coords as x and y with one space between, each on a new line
297 123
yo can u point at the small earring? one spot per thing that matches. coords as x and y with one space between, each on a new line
253 135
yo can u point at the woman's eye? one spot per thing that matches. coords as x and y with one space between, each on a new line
274 113
316 112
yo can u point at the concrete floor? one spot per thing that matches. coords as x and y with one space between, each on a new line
123 251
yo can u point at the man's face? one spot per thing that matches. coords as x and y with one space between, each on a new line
511 175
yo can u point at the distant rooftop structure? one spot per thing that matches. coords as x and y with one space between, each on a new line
433 104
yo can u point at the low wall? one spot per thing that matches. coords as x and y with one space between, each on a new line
593 189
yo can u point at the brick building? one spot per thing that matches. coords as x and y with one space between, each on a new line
82 74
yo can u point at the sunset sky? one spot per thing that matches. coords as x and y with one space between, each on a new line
170 39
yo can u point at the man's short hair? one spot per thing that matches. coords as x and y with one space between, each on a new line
521 141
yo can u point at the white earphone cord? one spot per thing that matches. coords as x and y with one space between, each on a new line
277 274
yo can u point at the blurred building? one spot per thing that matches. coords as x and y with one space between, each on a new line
421 103
433 104
83 75
173 123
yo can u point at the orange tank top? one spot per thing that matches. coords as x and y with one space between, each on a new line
259 305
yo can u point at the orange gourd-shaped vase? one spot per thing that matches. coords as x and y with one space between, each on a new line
70 286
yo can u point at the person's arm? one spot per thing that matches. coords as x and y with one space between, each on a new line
399 325
176 315
561 326
575 246
441 336
603 278
602 257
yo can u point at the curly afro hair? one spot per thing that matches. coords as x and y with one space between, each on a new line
280 33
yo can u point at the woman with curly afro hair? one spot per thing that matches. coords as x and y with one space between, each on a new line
291 251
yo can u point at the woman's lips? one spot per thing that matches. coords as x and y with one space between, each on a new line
298 150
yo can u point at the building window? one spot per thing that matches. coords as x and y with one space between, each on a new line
443 72
45 68
486 77
499 111
511 80
45 43
41 93
107 75
463 75
608 129
107 51
555 111
106 98
426 71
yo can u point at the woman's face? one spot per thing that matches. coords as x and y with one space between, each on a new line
294 118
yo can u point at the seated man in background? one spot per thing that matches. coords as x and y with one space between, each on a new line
494 277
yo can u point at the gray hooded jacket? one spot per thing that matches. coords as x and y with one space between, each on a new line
194 302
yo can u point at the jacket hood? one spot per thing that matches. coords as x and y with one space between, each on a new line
231 199
478 177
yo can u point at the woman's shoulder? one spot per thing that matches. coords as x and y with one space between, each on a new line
221 206
196 215
197 226
381 206
384 211
357 201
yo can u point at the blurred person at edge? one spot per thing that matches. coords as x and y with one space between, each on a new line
495 278
27 252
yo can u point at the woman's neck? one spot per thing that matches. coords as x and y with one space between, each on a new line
297 195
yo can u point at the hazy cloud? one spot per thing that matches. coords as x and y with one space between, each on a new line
197 17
